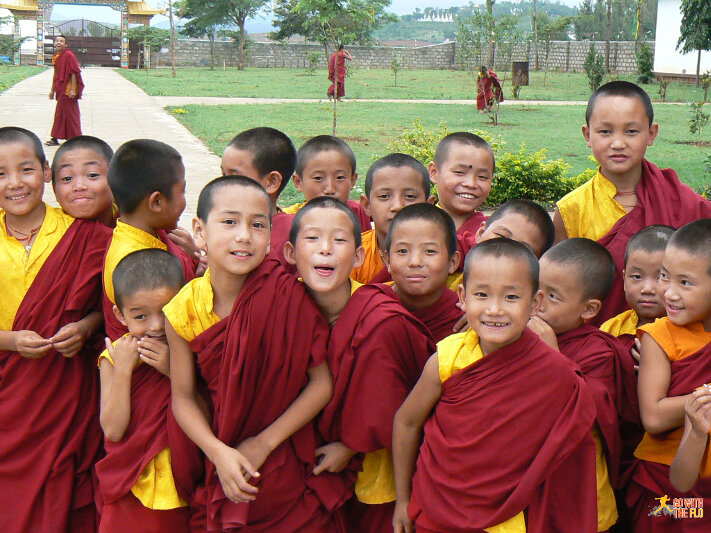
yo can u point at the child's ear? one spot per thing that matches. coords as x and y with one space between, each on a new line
461 292
155 201
47 172
386 259
536 303
592 308
586 134
454 262
272 182
360 258
365 204
119 315
431 200
199 234
354 180
480 232
298 182
433 172
289 253
653 132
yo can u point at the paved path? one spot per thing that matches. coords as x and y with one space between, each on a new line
113 109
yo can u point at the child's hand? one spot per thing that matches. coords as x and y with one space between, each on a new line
461 324
255 451
184 239
544 331
31 345
69 339
202 263
232 469
125 353
698 409
401 521
155 353
634 352
334 457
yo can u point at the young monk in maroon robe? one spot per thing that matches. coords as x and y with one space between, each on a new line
675 364
147 179
376 352
628 193
267 156
251 332
510 436
337 72
422 252
576 274
463 169
51 266
145 450
488 89
67 87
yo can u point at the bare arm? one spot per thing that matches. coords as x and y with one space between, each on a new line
73 86
560 233
684 470
658 412
407 433
116 387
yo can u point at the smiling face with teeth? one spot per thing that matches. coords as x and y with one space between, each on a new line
463 180
686 282
142 312
498 300
22 179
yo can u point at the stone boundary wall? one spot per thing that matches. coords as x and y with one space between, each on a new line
566 56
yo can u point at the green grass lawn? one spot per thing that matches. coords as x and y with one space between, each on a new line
370 126
10 75
366 84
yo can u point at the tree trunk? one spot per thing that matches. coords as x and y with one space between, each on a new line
698 68
242 37
490 54
608 31
172 38
545 69
335 97
638 36
535 32
211 36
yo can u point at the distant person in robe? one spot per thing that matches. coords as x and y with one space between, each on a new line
67 87
337 72
489 89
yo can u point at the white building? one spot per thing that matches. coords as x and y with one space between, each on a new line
667 59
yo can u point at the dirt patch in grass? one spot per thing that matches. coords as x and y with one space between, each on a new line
700 144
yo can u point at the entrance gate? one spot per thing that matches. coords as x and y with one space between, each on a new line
93 43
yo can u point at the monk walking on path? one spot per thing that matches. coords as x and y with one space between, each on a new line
337 72
67 87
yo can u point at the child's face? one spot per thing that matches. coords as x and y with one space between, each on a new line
327 173
418 259
237 162
498 301
642 289
22 179
236 232
464 178
393 188
325 250
619 133
686 281
514 226
81 186
142 312
563 306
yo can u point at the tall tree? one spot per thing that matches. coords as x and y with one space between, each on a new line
534 24
491 30
342 22
695 29
172 38
199 23
608 35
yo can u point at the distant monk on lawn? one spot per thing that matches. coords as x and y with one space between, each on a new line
488 90
67 87
337 72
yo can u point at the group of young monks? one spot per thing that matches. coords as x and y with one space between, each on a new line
393 364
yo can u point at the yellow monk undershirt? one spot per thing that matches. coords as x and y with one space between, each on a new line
293 209
125 239
19 269
622 324
190 312
456 353
373 262
155 486
591 210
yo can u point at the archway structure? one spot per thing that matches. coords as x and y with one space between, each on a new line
40 11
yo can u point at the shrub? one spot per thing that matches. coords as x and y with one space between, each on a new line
397 64
706 83
594 66
698 119
663 84
645 64
312 59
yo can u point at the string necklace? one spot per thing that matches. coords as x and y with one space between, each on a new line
28 238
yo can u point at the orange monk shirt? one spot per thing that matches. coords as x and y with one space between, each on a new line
373 262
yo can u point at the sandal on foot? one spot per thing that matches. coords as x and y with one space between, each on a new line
52 142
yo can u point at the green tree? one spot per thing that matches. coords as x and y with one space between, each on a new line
342 22
550 30
695 29
594 66
199 23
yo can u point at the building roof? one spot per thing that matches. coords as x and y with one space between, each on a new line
134 8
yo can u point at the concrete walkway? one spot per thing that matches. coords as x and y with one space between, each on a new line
113 109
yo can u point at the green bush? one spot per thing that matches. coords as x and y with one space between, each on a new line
645 64
312 59
594 66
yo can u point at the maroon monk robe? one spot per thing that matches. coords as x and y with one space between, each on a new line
376 351
255 364
601 357
651 480
466 235
281 225
49 419
146 435
363 218
381 277
337 71
440 317
512 432
661 199
67 120
114 328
